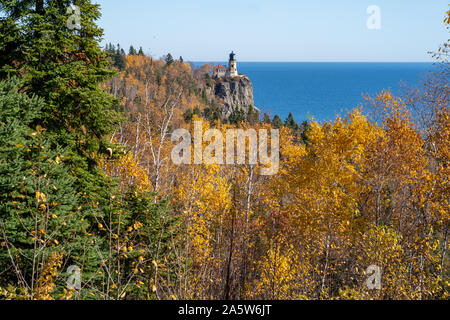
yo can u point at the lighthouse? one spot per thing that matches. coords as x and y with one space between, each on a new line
232 66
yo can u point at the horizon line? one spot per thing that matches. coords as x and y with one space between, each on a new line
248 61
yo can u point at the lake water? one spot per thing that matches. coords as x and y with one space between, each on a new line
324 90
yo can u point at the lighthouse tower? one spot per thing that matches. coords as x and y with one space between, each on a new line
232 66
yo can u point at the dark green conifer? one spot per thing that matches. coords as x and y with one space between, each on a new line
277 122
169 59
132 51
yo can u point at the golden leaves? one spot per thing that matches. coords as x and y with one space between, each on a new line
46 282
40 197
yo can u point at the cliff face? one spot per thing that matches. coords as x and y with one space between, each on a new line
233 93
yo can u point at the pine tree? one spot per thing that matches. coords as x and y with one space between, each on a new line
119 60
277 122
237 116
38 198
169 59
141 52
65 67
212 113
290 122
305 127
252 115
132 51
188 115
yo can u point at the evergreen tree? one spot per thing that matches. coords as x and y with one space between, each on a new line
188 115
181 59
159 229
38 198
66 68
118 57
252 115
169 59
277 122
266 119
119 61
141 52
208 80
212 113
237 116
304 128
290 122
132 51
197 111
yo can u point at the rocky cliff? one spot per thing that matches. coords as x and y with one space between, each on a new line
233 93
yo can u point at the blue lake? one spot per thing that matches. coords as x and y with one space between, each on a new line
324 90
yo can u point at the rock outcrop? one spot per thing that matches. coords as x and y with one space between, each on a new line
234 93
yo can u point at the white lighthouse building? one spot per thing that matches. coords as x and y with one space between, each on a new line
220 71
232 66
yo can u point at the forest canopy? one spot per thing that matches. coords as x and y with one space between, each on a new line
87 186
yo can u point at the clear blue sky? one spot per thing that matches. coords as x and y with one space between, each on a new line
277 30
